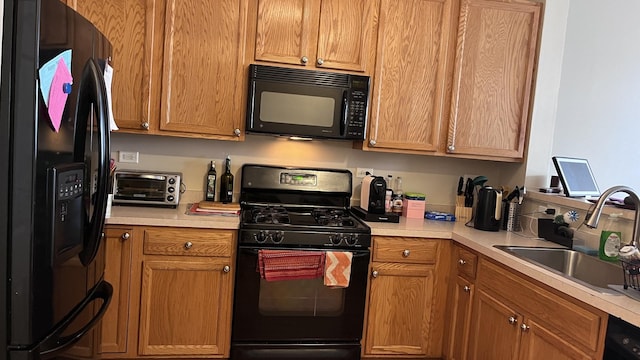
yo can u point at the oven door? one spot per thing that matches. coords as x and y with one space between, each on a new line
297 310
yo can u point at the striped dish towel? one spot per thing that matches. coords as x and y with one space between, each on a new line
277 265
338 269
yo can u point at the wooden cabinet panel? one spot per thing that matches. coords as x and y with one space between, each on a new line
407 250
494 67
330 34
410 75
400 309
539 343
118 244
461 303
134 28
202 77
189 242
466 262
286 30
185 307
495 331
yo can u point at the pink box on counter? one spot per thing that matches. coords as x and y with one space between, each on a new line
412 208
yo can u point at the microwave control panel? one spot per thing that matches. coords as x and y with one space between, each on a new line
357 114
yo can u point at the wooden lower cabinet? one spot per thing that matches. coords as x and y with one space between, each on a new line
514 318
407 295
173 292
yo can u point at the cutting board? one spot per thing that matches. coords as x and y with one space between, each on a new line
216 205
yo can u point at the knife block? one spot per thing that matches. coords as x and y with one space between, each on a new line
462 213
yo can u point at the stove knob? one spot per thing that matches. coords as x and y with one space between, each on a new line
269 237
353 240
335 239
278 237
345 239
259 237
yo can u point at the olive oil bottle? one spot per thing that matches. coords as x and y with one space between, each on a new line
226 183
210 183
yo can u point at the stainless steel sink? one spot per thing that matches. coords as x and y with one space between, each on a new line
582 268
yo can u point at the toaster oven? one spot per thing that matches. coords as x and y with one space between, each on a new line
136 187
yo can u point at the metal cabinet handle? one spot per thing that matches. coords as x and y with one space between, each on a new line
466 288
304 60
524 327
320 61
237 132
374 274
372 142
226 268
513 320
125 236
406 253
188 245
451 148
461 262
145 125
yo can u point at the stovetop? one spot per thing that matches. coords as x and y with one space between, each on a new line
299 207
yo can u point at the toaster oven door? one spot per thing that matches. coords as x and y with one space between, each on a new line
144 187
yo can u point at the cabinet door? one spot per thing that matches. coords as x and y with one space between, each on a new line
118 245
493 74
134 28
539 343
346 33
203 81
400 310
460 319
286 31
410 77
185 307
495 330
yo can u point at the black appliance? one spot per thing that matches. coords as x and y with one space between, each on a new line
622 341
306 103
298 209
373 194
53 184
488 212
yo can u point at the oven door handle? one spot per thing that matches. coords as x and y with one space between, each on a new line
254 250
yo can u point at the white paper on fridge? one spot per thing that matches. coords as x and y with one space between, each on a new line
108 80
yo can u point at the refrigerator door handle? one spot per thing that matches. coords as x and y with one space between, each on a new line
55 342
93 91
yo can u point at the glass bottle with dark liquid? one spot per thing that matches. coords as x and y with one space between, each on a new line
210 183
226 183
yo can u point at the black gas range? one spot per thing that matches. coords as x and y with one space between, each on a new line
294 211
299 207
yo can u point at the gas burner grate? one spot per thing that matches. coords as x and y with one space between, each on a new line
270 215
333 217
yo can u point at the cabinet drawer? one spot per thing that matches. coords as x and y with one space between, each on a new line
189 242
466 262
405 250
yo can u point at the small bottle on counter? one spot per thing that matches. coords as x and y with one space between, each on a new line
210 183
226 183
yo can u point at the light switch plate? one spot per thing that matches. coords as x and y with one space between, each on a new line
128 157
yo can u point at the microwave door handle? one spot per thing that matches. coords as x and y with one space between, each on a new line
345 113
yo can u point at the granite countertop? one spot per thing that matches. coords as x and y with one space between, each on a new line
480 241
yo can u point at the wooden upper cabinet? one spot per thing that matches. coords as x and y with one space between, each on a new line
492 83
331 34
135 32
410 75
203 82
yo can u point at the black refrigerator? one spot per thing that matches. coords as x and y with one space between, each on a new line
53 182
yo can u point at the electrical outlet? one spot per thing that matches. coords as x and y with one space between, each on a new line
362 172
128 157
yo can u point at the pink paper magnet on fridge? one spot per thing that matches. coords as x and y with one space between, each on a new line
58 93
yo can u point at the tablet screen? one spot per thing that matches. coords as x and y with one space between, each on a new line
576 177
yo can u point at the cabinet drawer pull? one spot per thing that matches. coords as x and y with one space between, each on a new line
451 148
226 268
188 245
461 262
513 320
304 60
524 327
145 125
125 236
374 274
372 142
466 288
320 61
406 253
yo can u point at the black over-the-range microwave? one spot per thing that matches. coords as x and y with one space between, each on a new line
307 103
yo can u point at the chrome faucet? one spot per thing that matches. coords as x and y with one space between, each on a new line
592 219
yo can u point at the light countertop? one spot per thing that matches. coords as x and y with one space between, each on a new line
480 241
